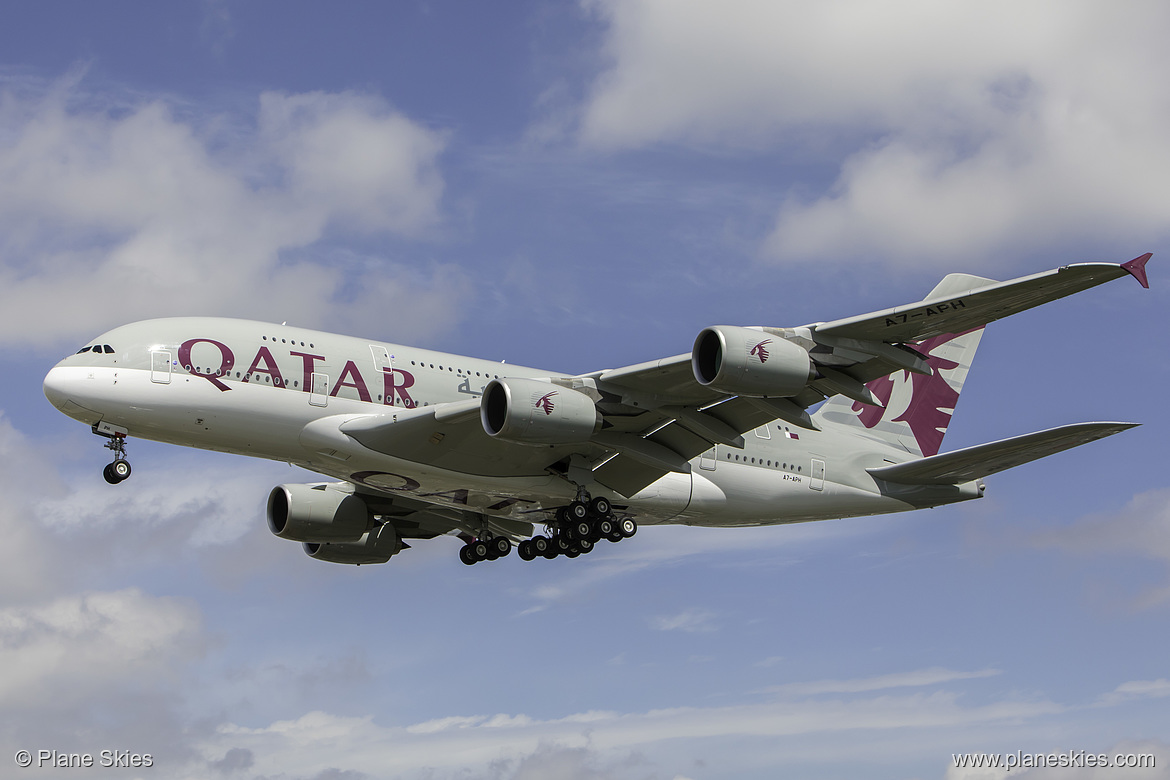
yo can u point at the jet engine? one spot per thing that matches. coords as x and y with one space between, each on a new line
317 513
525 411
375 546
742 361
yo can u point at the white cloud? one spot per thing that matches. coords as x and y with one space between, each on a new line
27 569
672 545
140 206
375 169
1141 528
690 620
449 746
219 508
73 647
1138 689
935 675
965 129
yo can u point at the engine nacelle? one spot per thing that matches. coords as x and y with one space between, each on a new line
525 411
742 361
377 545
316 513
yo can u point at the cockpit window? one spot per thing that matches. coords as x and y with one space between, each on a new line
109 350
84 349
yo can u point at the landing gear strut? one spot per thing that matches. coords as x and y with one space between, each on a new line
119 470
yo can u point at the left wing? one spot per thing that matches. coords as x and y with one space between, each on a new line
953 468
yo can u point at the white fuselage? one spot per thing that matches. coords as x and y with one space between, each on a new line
281 392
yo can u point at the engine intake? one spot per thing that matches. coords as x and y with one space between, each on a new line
377 545
526 411
316 513
742 361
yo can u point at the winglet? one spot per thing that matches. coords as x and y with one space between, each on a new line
1137 267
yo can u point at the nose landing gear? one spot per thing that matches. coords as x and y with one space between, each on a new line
119 470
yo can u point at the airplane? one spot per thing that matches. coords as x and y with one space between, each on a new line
421 444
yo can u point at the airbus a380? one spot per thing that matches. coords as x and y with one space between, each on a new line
425 444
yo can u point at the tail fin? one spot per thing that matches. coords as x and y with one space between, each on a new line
918 408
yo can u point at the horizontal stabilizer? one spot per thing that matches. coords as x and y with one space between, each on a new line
953 468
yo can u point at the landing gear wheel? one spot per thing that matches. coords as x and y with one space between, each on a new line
584 545
582 529
602 529
615 537
573 552
540 545
578 510
480 550
466 555
628 527
501 546
117 471
600 507
120 469
525 550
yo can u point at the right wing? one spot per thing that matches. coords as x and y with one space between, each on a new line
957 310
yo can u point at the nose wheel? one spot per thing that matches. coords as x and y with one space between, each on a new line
117 471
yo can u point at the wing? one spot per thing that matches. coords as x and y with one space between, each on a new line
657 416
415 519
949 310
964 465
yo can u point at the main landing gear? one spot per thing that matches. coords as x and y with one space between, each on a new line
485 549
577 529
119 470
577 533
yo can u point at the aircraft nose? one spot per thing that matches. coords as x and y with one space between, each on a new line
56 386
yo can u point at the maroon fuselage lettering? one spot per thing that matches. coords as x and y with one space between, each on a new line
226 361
359 384
310 365
270 367
394 388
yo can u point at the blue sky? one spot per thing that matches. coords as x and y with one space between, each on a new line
579 186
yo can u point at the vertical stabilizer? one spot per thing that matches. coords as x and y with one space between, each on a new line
918 408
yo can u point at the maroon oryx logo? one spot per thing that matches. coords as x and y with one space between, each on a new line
759 351
545 402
